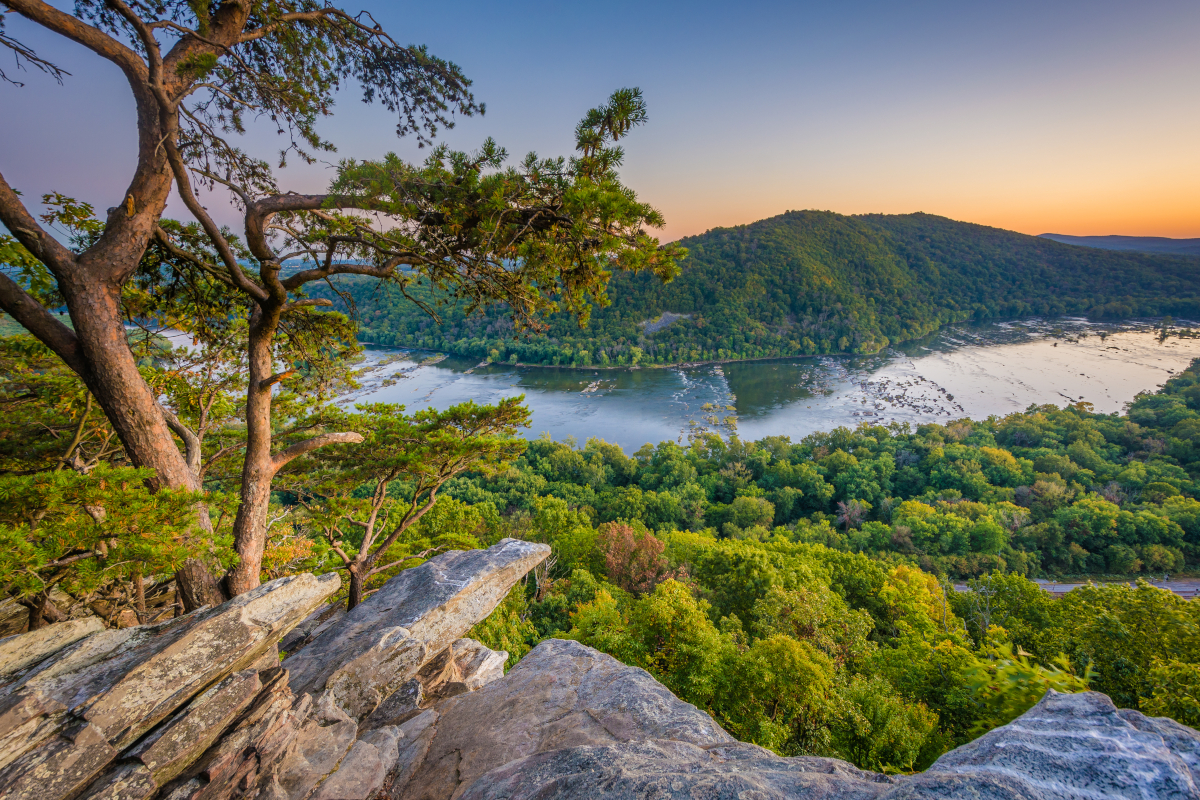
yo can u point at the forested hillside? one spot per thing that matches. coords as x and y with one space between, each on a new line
810 282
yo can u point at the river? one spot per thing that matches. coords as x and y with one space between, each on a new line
962 371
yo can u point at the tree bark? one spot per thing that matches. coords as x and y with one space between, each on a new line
139 597
42 611
112 376
357 572
258 470
196 586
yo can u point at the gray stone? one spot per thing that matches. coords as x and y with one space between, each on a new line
663 769
1068 747
318 749
169 751
464 666
126 782
124 682
437 672
384 641
71 715
412 749
477 664
1076 746
58 767
563 694
364 769
227 638
26 649
251 752
403 704
312 626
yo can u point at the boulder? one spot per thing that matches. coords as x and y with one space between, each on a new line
1068 747
319 748
364 769
65 720
401 706
377 647
312 626
1071 746
171 748
563 694
462 667
665 768
477 664
263 737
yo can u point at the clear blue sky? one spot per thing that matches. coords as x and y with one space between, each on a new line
1071 117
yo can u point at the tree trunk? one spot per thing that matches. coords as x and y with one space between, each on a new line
113 378
258 470
42 611
139 596
130 404
357 582
196 587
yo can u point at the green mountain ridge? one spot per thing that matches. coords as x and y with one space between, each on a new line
809 283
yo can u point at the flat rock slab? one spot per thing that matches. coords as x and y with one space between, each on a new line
169 750
563 694
477 664
27 649
375 648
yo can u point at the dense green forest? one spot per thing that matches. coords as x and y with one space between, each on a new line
800 592
1046 493
803 592
804 283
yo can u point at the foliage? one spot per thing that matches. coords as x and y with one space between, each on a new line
633 559
403 461
96 536
821 637
508 627
1175 692
1009 684
48 417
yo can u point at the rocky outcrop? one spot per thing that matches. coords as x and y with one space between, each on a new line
20 652
1069 746
391 702
561 695
382 644
665 768
64 720
199 708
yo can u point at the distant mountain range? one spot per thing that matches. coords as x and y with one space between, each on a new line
1139 244
810 283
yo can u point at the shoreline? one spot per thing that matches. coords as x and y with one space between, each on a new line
1133 324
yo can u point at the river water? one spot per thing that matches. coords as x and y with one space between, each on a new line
962 371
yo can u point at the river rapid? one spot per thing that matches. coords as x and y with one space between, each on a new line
962 371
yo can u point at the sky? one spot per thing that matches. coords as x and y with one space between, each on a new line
1057 116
